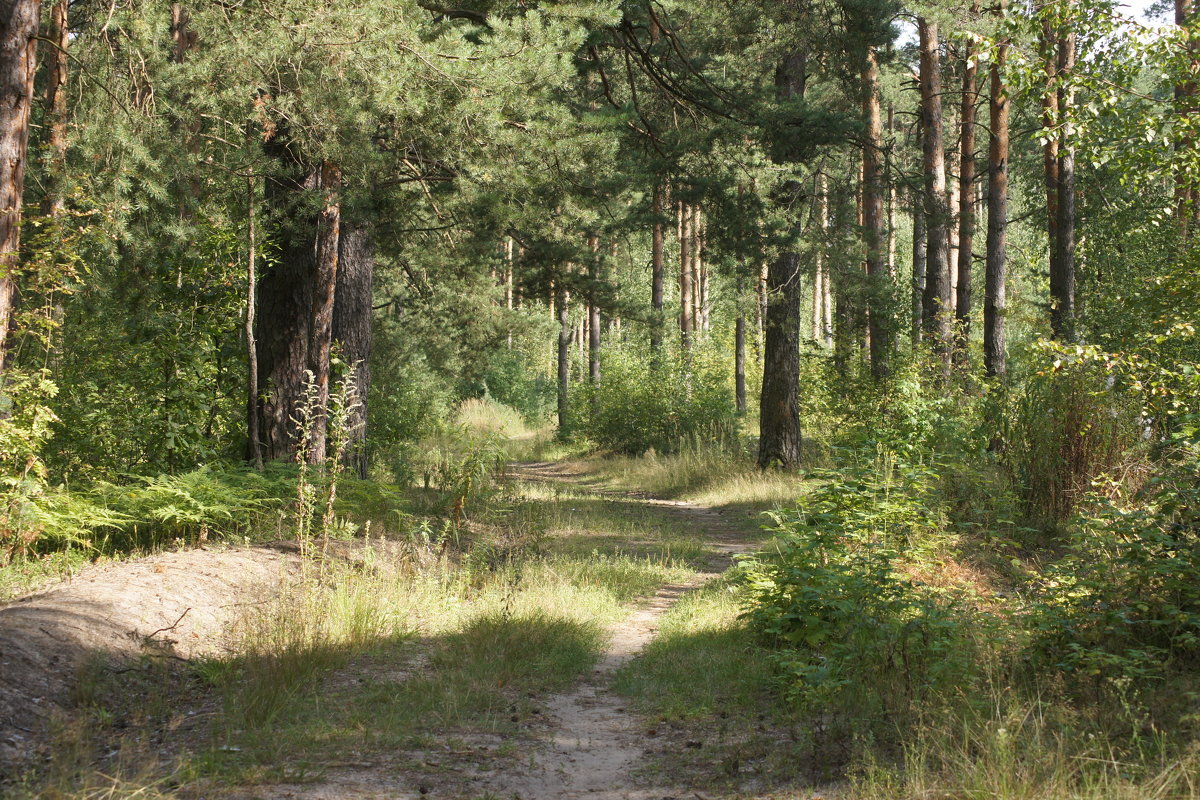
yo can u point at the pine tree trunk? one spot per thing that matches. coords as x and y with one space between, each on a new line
320 326
994 345
1186 107
918 266
779 409
878 325
966 202
253 437
564 358
57 71
657 268
686 323
18 63
1062 281
352 329
285 293
593 311
937 305
739 349
1050 160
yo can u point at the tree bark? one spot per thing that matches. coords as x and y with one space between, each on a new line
1062 280
779 410
1050 160
561 299
320 326
253 437
593 311
18 63
937 304
657 268
352 329
995 358
1186 192
878 323
966 201
686 321
739 349
918 266
57 72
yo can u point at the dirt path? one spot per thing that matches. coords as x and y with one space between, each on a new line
597 742
593 743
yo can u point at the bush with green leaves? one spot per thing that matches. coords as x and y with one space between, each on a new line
644 404
1124 601
858 638
1068 423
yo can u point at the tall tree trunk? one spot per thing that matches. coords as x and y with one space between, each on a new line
253 437
320 326
18 62
739 346
1186 192
700 252
966 200
352 331
657 268
877 296
564 358
920 235
593 311
58 65
937 305
891 197
995 358
1062 281
1050 160
779 409
760 309
686 321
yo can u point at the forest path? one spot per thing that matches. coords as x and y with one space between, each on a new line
592 743
597 742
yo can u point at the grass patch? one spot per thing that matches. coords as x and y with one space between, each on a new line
712 696
704 474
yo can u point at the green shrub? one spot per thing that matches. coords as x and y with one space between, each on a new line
1068 424
856 637
641 405
1124 601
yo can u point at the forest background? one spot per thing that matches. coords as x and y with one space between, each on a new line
941 259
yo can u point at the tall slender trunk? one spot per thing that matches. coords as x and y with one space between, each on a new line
739 346
966 200
937 308
878 323
779 409
657 268
253 437
760 310
352 331
1062 281
320 326
1050 160
686 321
700 271
593 311
561 299
58 65
890 179
920 235
1186 106
995 358
18 62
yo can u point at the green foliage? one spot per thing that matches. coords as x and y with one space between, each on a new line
855 635
1065 426
642 405
1124 601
